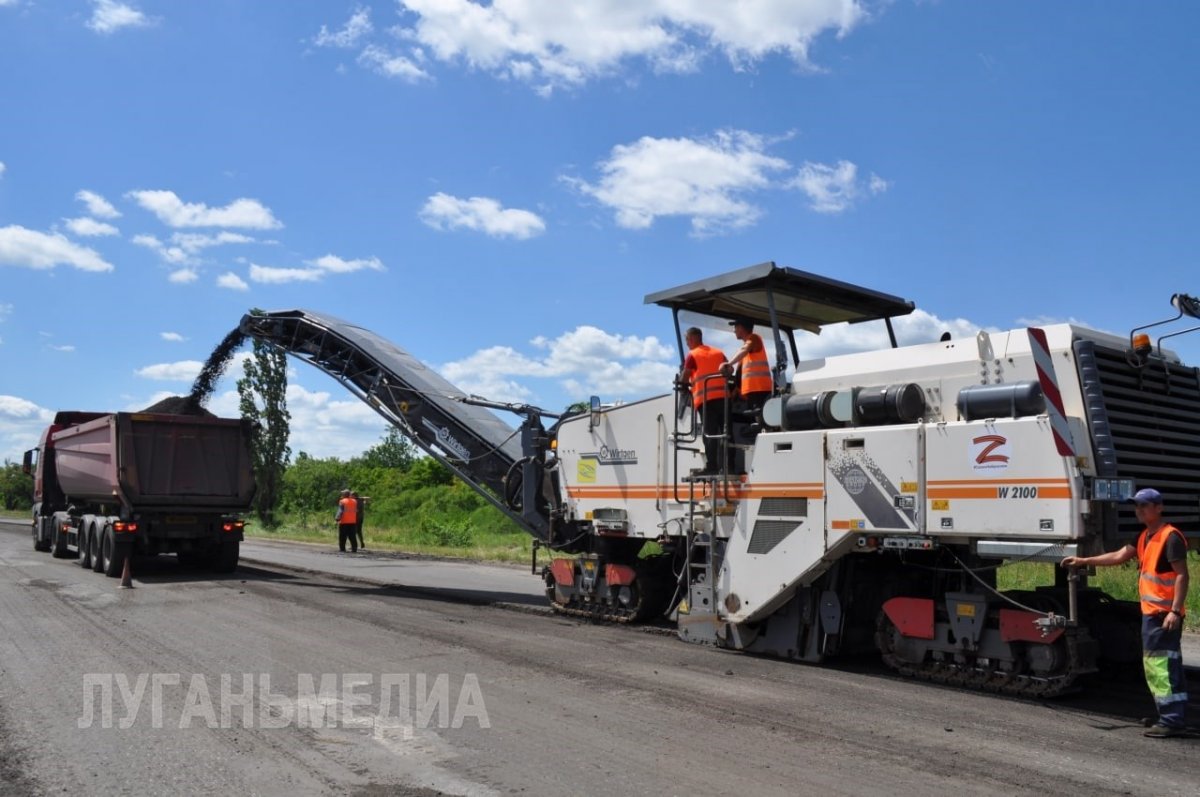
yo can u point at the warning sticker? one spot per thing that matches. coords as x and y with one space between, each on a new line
585 473
908 487
940 505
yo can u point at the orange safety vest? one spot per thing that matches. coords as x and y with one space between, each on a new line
349 511
708 362
1157 590
756 371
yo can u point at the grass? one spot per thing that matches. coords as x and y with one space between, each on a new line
478 545
1120 582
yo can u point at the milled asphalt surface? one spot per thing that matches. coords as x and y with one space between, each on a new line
567 707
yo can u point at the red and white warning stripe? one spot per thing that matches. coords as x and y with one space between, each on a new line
1054 402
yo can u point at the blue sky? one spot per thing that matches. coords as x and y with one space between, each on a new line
496 187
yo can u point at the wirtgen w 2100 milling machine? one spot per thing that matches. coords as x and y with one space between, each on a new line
869 505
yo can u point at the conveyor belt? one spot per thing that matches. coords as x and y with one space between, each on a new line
476 445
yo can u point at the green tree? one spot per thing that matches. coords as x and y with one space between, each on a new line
263 394
16 487
394 450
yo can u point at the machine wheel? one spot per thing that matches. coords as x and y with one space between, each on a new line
225 556
85 546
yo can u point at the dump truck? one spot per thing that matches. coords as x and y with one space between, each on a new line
111 485
869 505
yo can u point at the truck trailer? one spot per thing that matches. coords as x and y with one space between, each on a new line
867 506
110 485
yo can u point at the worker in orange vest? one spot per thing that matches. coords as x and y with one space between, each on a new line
756 383
708 395
1163 586
347 520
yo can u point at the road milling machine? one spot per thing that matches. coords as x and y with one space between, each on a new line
868 505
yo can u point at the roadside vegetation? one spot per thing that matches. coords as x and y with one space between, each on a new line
414 504
1120 582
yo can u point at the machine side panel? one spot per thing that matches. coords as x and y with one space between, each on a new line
627 462
1001 478
778 540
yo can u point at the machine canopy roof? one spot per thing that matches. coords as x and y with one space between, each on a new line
802 300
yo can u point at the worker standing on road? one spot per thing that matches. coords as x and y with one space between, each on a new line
755 369
347 520
1163 585
360 503
708 395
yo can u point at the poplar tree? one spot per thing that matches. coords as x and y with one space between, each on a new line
263 402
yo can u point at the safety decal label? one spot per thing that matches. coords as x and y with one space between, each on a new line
940 505
908 487
585 472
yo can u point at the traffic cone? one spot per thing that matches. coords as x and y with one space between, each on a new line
126 576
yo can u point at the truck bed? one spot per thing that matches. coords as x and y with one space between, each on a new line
153 461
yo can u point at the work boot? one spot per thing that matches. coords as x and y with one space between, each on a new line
1160 731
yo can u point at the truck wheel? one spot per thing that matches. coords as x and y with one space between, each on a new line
38 543
61 551
94 548
85 547
114 556
225 557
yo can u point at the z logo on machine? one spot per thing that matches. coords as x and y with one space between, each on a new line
990 452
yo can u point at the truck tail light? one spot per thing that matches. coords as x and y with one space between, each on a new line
124 527
234 525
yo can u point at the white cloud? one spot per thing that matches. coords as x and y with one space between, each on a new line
2 168
174 337
187 245
5 311
66 348
174 212
482 214
321 425
232 281
568 43
833 189
917 327
277 276
24 247
90 228
109 16
183 276
21 424
337 265
702 179
192 242
97 205
583 360
182 371
358 26
388 64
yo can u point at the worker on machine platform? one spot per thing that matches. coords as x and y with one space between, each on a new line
753 366
708 394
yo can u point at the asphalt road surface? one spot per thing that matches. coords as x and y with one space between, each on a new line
286 680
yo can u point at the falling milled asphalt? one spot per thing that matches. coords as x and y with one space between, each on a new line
214 683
